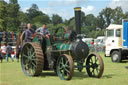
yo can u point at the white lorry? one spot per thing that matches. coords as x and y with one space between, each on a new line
116 43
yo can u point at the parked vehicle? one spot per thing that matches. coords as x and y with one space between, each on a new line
117 41
100 40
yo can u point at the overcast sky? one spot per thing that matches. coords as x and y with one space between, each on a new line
65 8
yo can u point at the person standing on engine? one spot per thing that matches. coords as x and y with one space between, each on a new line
28 33
43 30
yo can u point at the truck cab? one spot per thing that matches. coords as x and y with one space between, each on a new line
116 38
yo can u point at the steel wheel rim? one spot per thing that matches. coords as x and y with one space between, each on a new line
65 67
95 66
28 60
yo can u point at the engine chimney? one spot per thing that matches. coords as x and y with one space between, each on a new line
78 19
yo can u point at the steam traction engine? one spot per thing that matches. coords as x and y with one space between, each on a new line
60 54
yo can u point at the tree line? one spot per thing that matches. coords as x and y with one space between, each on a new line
11 18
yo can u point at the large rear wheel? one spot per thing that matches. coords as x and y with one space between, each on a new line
32 59
94 66
65 67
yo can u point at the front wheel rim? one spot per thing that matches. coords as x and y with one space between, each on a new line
65 67
95 66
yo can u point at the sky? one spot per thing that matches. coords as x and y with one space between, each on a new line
65 8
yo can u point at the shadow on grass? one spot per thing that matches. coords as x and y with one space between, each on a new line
126 67
125 61
108 76
82 75
77 75
45 74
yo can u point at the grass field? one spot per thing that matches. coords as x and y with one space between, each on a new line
114 74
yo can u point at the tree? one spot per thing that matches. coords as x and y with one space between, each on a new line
125 15
23 17
39 20
118 15
56 19
13 2
90 19
13 11
33 12
3 14
105 17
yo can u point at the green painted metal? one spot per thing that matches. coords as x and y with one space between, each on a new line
65 46
66 36
58 45
36 39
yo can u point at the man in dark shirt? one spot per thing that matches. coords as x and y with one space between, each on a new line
9 52
28 33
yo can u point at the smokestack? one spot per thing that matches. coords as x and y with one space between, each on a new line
78 19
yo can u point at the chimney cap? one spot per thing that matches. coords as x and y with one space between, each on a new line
77 8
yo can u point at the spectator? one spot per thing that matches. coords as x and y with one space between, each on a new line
3 50
92 42
9 52
43 30
1 58
18 47
28 33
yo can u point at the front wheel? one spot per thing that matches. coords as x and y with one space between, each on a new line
94 66
65 67
116 56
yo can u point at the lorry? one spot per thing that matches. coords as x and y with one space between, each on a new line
116 43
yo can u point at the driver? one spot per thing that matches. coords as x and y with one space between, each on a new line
43 30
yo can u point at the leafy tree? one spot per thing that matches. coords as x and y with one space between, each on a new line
39 20
72 23
13 2
3 14
118 15
90 22
66 22
125 15
105 17
56 19
33 12
23 17
13 11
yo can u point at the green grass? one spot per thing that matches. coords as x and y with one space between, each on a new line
114 74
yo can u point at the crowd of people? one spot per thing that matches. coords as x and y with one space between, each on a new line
6 50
